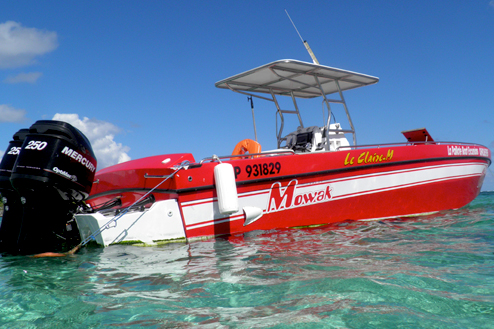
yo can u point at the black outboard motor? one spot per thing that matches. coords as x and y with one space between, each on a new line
53 174
12 207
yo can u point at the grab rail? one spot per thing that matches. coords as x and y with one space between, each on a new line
341 148
352 147
249 155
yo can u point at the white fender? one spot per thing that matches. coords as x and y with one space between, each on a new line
251 214
226 189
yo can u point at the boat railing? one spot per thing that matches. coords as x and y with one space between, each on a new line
279 152
415 143
249 155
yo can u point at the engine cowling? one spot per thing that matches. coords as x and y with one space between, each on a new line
52 174
57 154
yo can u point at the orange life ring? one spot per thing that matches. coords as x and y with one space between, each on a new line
246 145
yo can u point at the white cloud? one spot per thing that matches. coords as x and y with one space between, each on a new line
31 77
1 154
20 45
100 134
10 114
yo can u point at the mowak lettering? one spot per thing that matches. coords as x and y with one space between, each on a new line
281 198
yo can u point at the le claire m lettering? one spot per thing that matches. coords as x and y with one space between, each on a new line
291 196
367 157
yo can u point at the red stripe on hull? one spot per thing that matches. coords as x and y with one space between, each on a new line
307 189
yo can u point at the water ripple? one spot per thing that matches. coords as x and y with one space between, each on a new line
428 272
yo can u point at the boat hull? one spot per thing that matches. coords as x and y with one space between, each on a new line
297 190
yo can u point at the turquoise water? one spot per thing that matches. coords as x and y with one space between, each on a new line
429 272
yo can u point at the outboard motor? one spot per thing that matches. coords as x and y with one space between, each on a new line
53 174
12 207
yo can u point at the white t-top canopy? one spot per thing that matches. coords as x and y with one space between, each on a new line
288 76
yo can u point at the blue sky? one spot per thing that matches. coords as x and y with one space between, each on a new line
138 76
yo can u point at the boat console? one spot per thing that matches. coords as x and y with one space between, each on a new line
316 139
308 139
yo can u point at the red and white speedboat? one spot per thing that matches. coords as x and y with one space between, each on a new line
314 177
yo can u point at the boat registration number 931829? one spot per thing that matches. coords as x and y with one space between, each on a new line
259 169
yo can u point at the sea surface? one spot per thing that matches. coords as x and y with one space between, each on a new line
433 271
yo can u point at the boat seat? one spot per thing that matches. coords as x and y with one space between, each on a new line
336 139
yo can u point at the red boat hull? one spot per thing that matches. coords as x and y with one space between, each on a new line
295 190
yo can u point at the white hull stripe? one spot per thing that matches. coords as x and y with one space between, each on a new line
196 202
216 221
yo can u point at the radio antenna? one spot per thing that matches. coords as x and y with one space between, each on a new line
306 44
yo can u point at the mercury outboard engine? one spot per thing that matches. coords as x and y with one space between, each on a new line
12 207
52 176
